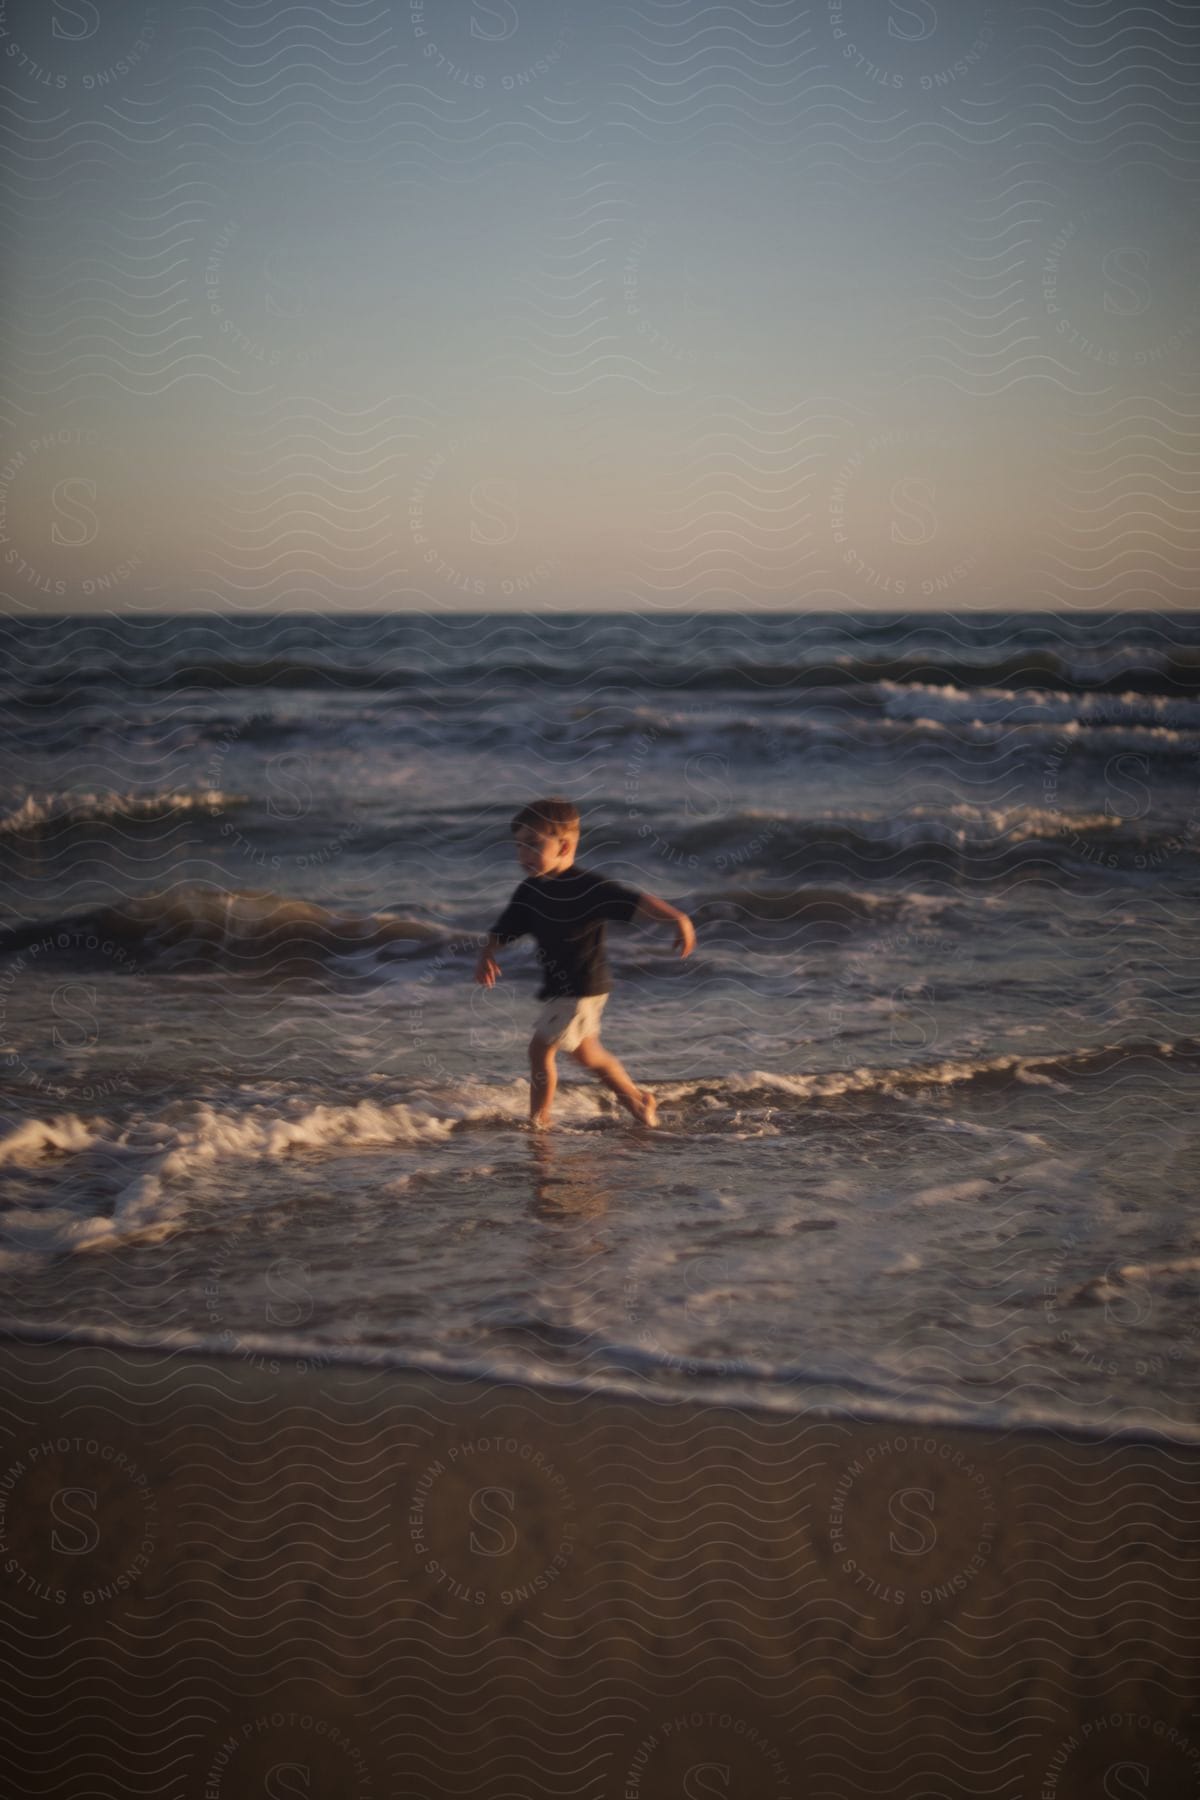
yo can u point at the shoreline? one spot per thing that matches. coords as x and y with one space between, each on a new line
799 1397
372 1580
796 1395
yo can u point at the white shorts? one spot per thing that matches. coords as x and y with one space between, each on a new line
567 1021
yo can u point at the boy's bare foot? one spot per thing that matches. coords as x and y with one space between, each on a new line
539 1122
648 1110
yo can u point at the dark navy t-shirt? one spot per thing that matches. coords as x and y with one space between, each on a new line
566 915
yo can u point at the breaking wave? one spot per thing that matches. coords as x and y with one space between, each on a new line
1123 669
987 840
139 1178
1095 711
39 814
200 924
1056 1069
815 905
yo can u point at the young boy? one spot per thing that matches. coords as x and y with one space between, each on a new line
565 908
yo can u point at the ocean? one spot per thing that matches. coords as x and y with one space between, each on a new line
927 1086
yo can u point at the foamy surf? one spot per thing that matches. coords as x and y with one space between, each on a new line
960 837
39 814
1056 1068
147 1168
960 825
1081 712
175 1157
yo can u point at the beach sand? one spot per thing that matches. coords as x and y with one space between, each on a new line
226 1578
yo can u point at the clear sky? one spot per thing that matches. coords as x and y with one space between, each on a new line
459 304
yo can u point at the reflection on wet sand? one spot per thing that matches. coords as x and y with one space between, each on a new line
566 1183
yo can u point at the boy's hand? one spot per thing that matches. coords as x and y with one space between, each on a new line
685 935
651 907
486 969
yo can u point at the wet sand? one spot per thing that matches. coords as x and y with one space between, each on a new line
227 1578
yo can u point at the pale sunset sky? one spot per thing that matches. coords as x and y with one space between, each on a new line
468 304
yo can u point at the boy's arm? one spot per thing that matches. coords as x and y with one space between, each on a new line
513 923
486 967
650 907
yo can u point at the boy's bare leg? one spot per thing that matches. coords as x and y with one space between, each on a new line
640 1102
543 1080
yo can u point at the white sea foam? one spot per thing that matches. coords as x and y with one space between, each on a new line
175 1157
29 1141
1048 1069
964 824
41 812
960 825
952 1191
1179 1265
1032 706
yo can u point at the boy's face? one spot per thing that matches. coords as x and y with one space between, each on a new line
542 855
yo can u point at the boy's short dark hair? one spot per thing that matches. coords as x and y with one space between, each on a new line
550 818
